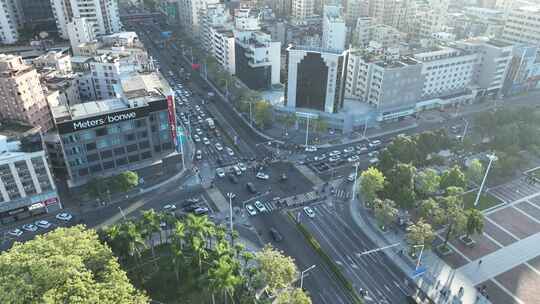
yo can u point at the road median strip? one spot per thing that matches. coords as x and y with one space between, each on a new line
327 260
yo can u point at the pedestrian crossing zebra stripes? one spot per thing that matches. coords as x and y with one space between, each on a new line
342 194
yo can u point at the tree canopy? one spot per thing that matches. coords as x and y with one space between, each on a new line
371 182
67 265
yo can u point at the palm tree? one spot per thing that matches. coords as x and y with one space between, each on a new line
148 225
201 227
132 236
223 277
177 247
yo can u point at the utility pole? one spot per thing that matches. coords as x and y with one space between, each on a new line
355 180
365 129
307 130
465 129
491 157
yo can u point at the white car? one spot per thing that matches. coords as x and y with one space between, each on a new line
262 175
348 150
237 170
30 227
251 210
311 149
335 153
169 207
206 141
198 131
43 224
374 143
18 232
198 155
333 159
220 172
260 206
242 167
196 138
230 151
64 216
309 211
353 158
219 147
201 211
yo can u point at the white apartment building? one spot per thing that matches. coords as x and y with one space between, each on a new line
58 61
523 26
302 9
355 9
384 11
334 29
223 48
26 185
361 36
257 59
191 13
21 94
447 71
102 14
80 31
11 18
216 16
246 20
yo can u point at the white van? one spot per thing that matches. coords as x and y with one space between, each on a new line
374 143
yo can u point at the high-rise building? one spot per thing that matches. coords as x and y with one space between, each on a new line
316 79
11 19
522 26
334 28
191 13
27 187
80 31
102 14
38 15
383 11
355 9
302 9
21 94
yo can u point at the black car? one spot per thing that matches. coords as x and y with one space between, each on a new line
251 188
276 235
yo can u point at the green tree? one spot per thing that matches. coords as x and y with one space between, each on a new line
371 182
400 185
125 181
276 270
320 125
294 296
453 178
404 150
455 216
475 222
431 210
428 181
97 187
224 277
386 162
288 121
148 225
427 143
385 212
420 233
177 248
200 230
263 114
66 265
475 171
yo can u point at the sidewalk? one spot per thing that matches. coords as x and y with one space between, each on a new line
438 275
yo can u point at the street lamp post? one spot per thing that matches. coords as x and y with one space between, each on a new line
250 114
491 157
355 180
230 195
465 129
307 130
302 274
419 256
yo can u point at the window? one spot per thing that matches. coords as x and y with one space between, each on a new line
106 154
143 134
95 168
146 155
101 132
121 161
144 145
92 157
108 165
113 129
157 148
130 137
132 148
119 151
134 158
88 135
83 171
90 146
103 143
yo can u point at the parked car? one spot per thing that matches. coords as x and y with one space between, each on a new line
353 158
206 141
64 216
237 170
335 153
219 147
242 166
198 155
196 138
30 227
348 150
311 149
309 211
351 177
220 172
201 211
251 210
15 232
251 188
169 207
43 224
374 143
262 175
230 151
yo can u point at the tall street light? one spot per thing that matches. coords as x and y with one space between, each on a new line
355 180
307 130
491 157
302 274
230 195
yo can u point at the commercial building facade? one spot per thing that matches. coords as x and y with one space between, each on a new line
334 32
522 26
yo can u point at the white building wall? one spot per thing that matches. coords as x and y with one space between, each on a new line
334 29
9 22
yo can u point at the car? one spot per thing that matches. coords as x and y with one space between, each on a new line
198 155
276 235
353 158
220 172
192 200
43 224
373 160
197 107
64 216
242 166
334 159
233 179
374 143
260 206
206 141
320 157
311 149
262 175
237 170
15 232
283 177
230 151
196 138
169 207
30 227
251 188
373 154
218 146
201 211
362 149
198 131
351 177
309 211
251 210
348 150
335 153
